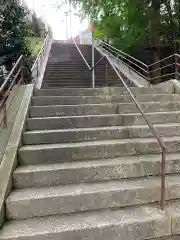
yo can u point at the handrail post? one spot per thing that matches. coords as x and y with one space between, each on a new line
148 75
93 70
163 169
176 68
106 75
4 111
22 71
37 69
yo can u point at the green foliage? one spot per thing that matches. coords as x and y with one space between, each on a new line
13 31
128 23
35 45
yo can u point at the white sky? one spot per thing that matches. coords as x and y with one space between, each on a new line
56 18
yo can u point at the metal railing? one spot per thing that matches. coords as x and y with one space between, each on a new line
93 67
16 77
36 68
153 130
87 64
159 71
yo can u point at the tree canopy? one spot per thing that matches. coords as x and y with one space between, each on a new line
127 23
12 33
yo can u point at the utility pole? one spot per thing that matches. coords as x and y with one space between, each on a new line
92 22
66 16
70 18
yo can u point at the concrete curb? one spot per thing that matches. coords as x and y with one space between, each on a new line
9 160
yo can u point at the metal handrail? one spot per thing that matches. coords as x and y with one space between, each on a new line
159 140
10 74
148 72
145 65
40 53
15 77
161 60
36 68
81 55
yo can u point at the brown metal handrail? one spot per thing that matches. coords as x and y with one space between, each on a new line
156 135
15 77
148 72
158 138
87 64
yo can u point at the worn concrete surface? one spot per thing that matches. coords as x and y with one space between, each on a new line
9 160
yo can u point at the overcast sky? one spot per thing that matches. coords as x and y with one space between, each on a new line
56 18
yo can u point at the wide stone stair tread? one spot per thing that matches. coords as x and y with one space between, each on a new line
102 108
98 91
36 202
114 223
93 170
48 100
103 120
38 154
98 133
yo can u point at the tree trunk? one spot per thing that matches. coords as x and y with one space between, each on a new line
155 39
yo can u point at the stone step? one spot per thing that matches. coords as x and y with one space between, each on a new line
37 202
79 70
45 86
80 151
79 79
100 91
139 223
64 83
70 100
86 121
45 175
99 109
80 85
99 133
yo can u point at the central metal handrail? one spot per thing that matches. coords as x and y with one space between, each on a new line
81 55
153 130
156 135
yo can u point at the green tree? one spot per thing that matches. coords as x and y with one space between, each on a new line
128 23
13 32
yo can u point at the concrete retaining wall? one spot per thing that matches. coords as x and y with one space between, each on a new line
10 139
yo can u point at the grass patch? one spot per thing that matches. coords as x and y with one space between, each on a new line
35 45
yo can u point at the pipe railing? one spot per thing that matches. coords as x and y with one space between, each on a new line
87 64
36 68
16 77
159 70
154 132
151 127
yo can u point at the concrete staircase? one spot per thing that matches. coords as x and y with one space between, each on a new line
89 167
65 58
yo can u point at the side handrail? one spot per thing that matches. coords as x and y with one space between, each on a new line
159 140
120 51
157 70
37 63
81 54
15 77
10 74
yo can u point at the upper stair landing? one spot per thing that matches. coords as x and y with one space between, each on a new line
66 68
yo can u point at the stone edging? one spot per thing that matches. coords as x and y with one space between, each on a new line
9 160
